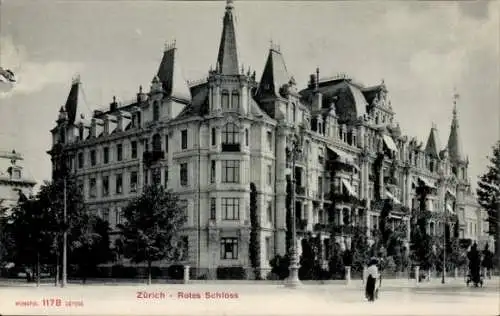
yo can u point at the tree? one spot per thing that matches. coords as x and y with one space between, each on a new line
420 239
152 224
5 239
254 245
488 194
360 249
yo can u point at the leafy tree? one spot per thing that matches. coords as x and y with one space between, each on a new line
420 239
360 249
152 223
280 266
310 268
5 239
336 262
488 194
254 245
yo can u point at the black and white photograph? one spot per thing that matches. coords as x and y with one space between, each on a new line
241 157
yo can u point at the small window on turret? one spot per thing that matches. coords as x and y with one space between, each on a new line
225 100
156 111
235 100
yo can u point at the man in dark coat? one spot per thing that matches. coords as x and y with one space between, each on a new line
474 264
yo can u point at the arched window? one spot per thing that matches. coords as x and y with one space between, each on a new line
294 112
156 111
156 142
225 100
235 100
230 138
246 137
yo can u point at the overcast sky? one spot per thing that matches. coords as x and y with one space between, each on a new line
421 49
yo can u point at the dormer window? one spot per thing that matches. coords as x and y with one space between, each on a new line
225 100
230 138
235 100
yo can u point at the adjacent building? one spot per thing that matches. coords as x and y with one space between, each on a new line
209 140
14 178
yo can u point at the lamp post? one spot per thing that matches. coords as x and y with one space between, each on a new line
294 148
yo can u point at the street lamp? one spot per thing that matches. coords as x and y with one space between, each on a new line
295 150
65 242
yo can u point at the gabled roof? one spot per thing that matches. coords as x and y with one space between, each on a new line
227 59
433 146
274 76
170 75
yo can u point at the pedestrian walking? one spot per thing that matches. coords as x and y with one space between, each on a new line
371 282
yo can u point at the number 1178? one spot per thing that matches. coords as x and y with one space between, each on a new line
51 302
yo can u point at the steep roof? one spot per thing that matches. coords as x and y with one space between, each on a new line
199 104
170 75
274 76
350 103
73 107
433 146
227 59
454 141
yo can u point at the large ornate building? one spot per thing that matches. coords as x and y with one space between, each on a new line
211 139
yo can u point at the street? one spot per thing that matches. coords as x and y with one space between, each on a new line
433 298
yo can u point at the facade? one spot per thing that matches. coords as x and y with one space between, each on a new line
211 139
13 178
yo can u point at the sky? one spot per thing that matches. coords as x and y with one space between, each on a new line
422 50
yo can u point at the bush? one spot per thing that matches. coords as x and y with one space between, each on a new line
231 273
120 271
280 266
175 272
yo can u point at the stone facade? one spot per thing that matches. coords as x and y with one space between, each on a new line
14 178
210 139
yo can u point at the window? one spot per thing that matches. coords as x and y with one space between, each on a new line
184 139
93 158
294 112
139 121
105 186
119 152
230 138
269 249
320 185
133 181
118 215
270 212
235 100
246 137
146 179
213 208
166 143
230 171
119 183
269 175
105 214
230 208
212 172
213 137
184 174
157 143
156 176
165 179
269 139
16 174
92 187
183 246
133 146
225 100
156 111
80 186
105 155
80 160
229 248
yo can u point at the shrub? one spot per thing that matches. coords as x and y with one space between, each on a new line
175 272
231 273
280 266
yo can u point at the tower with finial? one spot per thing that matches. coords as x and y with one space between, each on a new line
455 149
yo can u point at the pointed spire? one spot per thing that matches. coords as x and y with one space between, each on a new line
227 58
170 75
455 141
274 76
433 146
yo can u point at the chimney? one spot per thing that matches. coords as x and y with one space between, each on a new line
113 105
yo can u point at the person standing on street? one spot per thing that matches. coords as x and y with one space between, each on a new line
371 281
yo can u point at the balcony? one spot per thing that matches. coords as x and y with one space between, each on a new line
346 199
231 147
300 190
301 224
319 227
151 157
